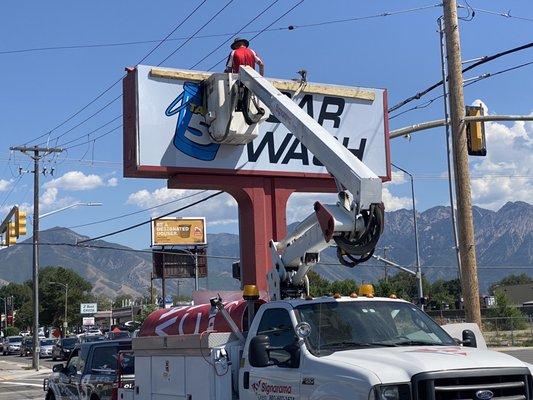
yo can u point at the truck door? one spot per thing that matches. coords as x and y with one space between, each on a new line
69 379
282 380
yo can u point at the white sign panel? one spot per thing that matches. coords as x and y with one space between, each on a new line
88 321
88 308
171 131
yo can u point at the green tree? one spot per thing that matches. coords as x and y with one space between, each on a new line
24 317
510 280
444 292
52 295
402 284
11 331
122 299
506 316
145 312
104 303
21 294
318 286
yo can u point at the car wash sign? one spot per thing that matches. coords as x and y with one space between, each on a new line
165 130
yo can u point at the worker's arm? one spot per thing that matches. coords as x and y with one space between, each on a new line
261 64
229 62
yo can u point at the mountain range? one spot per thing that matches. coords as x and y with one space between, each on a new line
504 241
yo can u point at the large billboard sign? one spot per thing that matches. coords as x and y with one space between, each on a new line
178 232
165 131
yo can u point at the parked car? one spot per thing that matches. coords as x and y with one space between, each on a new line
63 348
26 347
11 345
90 372
46 346
116 335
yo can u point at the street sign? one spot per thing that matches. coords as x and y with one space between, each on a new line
178 232
88 321
88 308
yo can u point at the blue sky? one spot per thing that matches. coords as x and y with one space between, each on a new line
40 89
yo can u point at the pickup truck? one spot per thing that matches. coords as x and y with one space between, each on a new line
341 348
90 372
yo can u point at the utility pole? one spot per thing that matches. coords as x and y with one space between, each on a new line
465 223
36 153
448 148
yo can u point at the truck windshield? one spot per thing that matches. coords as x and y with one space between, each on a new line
337 326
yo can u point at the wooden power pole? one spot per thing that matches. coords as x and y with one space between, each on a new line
36 153
465 222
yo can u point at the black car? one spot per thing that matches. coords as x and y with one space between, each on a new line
63 348
90 373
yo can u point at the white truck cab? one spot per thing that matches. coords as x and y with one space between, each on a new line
344 348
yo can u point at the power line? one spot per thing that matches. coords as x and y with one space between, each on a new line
152 219
234 34
483 60
120 79
264 29
140 61
131 213
475 80
284 28
501 14
197 31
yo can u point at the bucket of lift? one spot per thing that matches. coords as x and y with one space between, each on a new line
233 112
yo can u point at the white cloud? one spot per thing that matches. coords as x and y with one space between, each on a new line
221 210
4 185
76 180
504 174
112 182
49 196
398 178
393 203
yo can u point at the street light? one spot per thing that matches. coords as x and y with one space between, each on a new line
79 203
415 226
65 324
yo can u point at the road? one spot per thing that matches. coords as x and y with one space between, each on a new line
18 381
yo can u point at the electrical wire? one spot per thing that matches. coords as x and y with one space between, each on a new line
285 28
197 31
187 39
107 89
152 219
477 79
483 60
263 30
234 34
500 14
101 221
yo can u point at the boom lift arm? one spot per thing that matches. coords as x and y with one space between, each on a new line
354 223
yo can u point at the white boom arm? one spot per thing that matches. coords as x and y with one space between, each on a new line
354 223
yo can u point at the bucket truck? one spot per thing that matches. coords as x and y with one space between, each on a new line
296 347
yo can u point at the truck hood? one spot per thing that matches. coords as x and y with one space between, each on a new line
399 364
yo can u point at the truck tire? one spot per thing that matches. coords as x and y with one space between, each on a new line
50 395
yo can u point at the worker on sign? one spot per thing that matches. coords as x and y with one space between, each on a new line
242 55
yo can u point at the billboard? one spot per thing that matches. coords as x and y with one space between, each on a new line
175 231
88 321
88 308
165 130
179 263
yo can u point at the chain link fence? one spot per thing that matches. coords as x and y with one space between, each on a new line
502 331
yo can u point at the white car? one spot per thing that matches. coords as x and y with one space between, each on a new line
46 346
11 345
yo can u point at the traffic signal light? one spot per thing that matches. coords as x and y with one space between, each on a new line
475 133
20 222
11 234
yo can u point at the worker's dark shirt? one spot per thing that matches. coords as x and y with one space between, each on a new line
242 56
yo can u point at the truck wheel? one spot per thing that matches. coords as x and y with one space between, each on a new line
50 395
